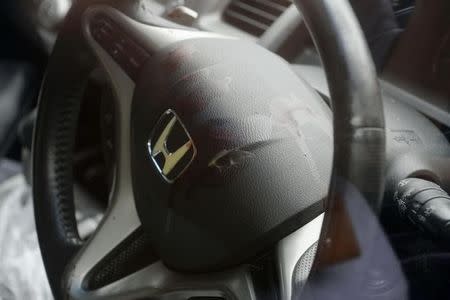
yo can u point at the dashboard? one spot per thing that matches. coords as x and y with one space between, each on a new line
243 18
275 24
252 18
417 72
419 61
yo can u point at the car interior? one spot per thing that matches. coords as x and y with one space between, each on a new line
225 149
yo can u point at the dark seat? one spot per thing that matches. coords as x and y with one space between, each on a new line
18 84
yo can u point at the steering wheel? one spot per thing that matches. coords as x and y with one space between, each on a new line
223 155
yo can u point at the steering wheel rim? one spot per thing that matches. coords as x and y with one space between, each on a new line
353 84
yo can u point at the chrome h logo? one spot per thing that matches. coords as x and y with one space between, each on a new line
171 147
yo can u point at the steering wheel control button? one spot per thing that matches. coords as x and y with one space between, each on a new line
126 52
171 147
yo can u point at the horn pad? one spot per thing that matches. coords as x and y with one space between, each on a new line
254 152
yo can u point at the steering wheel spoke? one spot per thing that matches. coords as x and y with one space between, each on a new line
130 43
118 232
156 281
120 225
295 255
112 37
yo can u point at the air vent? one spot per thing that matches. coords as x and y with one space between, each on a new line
254 16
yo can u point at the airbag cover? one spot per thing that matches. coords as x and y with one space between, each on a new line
261 147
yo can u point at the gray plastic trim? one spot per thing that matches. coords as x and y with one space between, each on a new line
121 219
291 249
422 105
